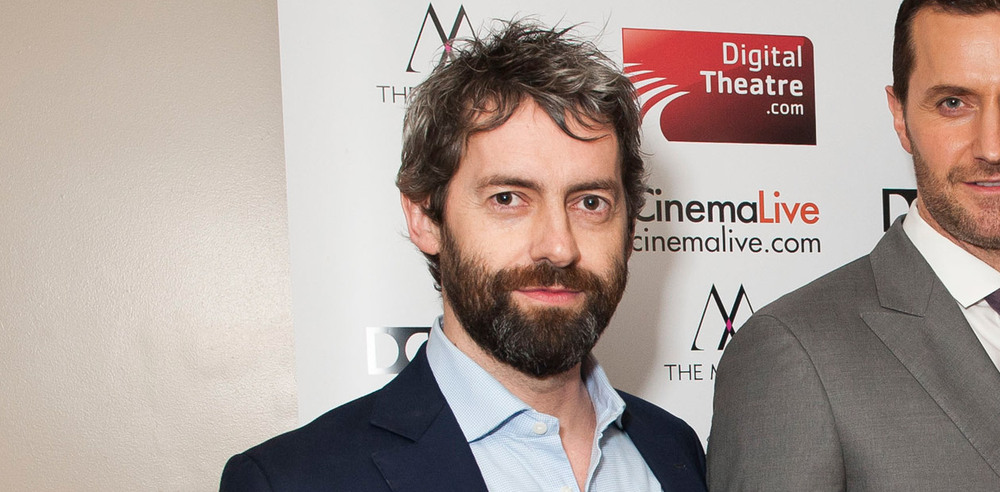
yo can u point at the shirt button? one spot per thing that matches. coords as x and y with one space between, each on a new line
565 489
539 428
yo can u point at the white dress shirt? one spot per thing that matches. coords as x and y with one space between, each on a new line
968 279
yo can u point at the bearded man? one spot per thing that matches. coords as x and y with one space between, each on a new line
521 182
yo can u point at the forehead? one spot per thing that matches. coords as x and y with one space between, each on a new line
950 48
530 141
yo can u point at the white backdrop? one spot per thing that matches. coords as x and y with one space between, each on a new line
355 275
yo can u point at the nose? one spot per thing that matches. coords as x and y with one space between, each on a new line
554 240
988 140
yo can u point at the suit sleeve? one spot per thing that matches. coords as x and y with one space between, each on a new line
243 474
773 427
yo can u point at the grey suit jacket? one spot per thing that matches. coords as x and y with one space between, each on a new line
868 378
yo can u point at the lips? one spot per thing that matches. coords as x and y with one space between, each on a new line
551 295
976 173
983 179
988 186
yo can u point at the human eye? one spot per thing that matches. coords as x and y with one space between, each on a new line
505 199
593 204
950 105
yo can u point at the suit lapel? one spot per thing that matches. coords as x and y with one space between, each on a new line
661 449
439 458
925 329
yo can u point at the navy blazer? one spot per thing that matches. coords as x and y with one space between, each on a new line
404 438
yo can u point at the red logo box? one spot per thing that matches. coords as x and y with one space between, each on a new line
724 87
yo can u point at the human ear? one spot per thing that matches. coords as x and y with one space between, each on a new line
423 231
898 119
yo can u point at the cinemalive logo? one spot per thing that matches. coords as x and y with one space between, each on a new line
431 43
719 323
724 87
732 220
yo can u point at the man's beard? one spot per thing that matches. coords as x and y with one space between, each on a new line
539 342
980 229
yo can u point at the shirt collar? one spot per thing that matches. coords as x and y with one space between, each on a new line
967 278
482 405
608 404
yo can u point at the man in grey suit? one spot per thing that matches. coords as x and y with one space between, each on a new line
882 375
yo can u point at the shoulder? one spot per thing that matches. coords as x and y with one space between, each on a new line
316 437
821 317
851 286
336 445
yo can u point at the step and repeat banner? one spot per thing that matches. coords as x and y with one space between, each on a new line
770 148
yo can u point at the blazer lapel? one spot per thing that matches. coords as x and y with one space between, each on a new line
925 329
661 450
439 458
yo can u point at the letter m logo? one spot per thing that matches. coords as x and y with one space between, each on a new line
727 321
446 38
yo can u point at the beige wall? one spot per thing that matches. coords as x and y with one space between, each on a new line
145 320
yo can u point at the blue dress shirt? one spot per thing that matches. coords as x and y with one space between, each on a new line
518 448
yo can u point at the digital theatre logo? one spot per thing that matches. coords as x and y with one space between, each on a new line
895 202
722 87
390 348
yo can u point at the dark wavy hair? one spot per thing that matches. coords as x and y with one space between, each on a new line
481 82
902 45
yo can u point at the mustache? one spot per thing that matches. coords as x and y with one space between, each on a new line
976 171
544 274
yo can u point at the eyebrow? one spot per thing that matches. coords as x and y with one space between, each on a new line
608 185
945 90
511 181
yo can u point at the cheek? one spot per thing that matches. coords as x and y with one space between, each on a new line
942 146
602 250
476 231
498 247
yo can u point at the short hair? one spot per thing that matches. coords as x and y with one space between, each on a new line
902 47
480 83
